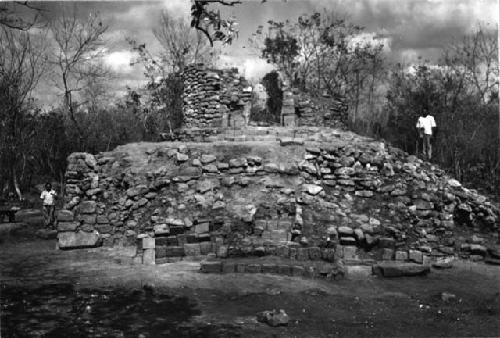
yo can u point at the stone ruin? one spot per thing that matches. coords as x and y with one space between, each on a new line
315 196
215 100
355 200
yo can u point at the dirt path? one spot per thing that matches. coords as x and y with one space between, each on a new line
226 305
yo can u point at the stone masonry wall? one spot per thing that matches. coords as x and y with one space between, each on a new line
221 98
212 97
358 200
326 111
202 90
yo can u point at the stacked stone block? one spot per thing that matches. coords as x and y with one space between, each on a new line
328 112
196 134
76 223
342 200
288 118
423 204
202 95
324 270
221 98
214 98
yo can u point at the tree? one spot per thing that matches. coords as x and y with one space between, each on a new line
454 92
11 18
22 63
181 44
77 58
320 54
157 106
281 49
476 56
210 22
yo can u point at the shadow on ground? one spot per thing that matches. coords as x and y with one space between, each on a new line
100 293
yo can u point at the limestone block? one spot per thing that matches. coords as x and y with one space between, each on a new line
206 159
228 267
148 257
192 249
65 216
253 268
87 218
297 270
174 251
401 255
160 251
399 269
76 240
67 226
87 207
211 266
205 248
148 243
416 256
202 228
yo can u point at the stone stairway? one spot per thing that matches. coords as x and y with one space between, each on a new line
271 134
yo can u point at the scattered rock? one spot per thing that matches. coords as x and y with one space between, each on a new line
273 318
312 189
448 297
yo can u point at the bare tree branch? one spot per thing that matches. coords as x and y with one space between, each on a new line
77 56
11 18
22 63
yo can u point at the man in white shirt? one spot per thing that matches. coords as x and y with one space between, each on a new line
48 197
426 125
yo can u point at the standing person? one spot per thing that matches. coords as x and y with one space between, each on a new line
426 125
48 197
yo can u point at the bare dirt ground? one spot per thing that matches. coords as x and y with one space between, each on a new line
100 292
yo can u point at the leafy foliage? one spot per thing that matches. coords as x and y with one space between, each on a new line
318 54
467 138
210 23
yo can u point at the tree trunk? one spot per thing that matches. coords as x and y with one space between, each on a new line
356 104
15 183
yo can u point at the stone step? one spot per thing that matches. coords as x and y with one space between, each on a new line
398 269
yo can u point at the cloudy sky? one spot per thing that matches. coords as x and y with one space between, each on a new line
410 28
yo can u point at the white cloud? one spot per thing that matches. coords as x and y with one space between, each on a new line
119 61
252 68
409 55
372 39
178 8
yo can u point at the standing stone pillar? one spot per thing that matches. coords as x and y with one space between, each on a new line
288 118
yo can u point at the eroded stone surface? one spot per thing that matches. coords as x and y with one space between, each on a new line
76 240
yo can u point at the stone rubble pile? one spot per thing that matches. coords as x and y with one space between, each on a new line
328 112
386 198
358 200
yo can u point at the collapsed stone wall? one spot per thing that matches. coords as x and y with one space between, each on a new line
222 98
325 111
355 200
212 97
